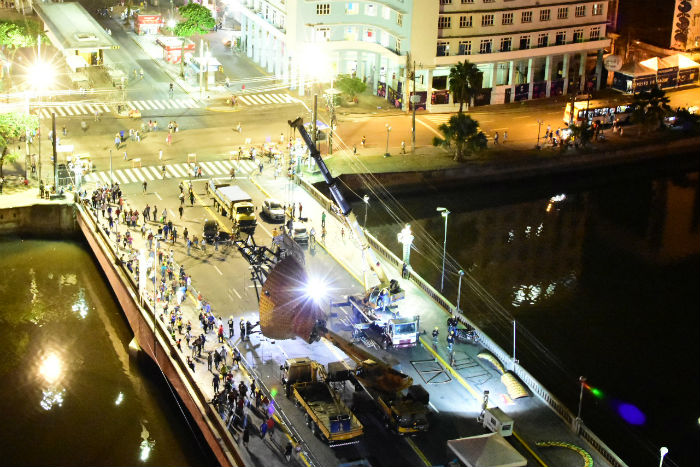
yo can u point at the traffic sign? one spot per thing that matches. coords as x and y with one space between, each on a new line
612 62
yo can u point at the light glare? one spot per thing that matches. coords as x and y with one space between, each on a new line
51 368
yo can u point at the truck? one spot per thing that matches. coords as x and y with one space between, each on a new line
306 381
231 201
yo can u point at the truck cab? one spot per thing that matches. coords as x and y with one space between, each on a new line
243 215
402 332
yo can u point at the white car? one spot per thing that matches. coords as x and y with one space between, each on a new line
273 210
299 233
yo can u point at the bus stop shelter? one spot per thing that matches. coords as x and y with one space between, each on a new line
72 30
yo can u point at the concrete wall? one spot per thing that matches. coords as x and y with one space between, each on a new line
42 220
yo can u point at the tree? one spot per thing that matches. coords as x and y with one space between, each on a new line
465 82
650 109
198 20
462 136
351 86
583 133
12 126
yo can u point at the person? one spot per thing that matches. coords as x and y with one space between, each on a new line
171 89
270 425
163 169
209 361
263 429
404 271
215 382
145 186
241 326
354 149
190 363
436 332
312 235
125 156
505 137
230 327
83 125
288 452
246 436
495 138
403 147
323 219
364 140
238 128
450 340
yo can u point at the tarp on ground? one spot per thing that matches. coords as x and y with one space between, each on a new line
489 450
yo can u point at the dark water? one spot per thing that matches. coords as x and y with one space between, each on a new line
70 392
603 282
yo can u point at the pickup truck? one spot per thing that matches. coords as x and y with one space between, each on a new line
231 201
327 416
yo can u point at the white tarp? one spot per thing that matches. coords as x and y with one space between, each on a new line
489 450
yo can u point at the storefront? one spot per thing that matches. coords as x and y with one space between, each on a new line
148 23
173 49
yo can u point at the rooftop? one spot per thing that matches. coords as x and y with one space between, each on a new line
71 27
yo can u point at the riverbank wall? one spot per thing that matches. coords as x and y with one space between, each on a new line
674 154
69 219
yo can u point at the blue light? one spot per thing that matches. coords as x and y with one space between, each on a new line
631 414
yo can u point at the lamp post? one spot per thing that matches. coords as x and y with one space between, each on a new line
405 237
539 127
459 288
388 130
582 381
444 212
366 200
663 451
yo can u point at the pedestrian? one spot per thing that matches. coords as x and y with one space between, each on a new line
263 430
403 147
230 327
363 141
354 149
450 340
404 271
209 360
246 436
505 137
221 333
323 220
190 363
288 452
126 158
241 326
180 210
215 381
117 142
495 138
160 155
342 233
145 186
270 425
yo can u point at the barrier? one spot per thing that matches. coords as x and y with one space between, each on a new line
136 161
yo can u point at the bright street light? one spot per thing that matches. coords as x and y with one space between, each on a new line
388 130
664 451
316 289
444 212
459 288
366 200
41 75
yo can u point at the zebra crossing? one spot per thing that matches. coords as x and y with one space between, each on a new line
437 118
75 109
267 98
181 170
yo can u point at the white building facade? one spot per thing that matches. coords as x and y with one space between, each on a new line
525 49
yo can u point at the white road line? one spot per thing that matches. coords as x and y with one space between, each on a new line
209 167
236 292
130 173
267 98
257 100
102 177
151 170
172 214
45 113
159 198
170 169
429 127
59 110
145 173
244 100
219 271
68 110
119 174
158 104
105 108
133 107
183 169
91 177
222 167
431 405
137 104
228 164
289 98
77 109
148 104
277 98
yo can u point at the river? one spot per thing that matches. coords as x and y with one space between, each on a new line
601 277
71 390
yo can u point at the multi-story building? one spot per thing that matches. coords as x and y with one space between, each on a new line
524 49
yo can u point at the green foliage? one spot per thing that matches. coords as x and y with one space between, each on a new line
12 125
687 122
16 34
465 82
350 86
198 20
583 134
651 107
462 135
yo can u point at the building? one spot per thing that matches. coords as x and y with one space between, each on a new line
524 51
685 35
148 22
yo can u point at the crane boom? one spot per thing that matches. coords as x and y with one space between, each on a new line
344 206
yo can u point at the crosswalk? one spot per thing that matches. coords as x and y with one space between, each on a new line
437 118
268 98
74 109
181 170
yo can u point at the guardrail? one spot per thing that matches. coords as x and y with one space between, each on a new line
530 381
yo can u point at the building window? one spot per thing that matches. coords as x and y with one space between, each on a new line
398 46
443 49
489 1
444 22
595 33
580 11
542 39
465 21
384 39
507 18
399 19
526 17
545 15
386 12
524 42
370 35
487 20
467 1
562 13
323 9
323 34
350 33
506 44
371 9
597 9
485 46
445 2
561 38
352 8
465 48
578 35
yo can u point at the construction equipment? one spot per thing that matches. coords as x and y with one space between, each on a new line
306 381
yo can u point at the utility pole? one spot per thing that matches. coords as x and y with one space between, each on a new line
413 122
315 117
201 71
55 156
111 180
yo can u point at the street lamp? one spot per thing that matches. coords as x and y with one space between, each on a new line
388 130
582 381
444 212
366 200
405 237
459 289
664 451
539 127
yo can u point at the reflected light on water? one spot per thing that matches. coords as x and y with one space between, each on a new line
51 368
51 397
145 448
120 398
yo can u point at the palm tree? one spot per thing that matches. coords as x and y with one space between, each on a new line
651 107
462 136
465 82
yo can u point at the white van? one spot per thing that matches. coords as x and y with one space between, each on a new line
497 421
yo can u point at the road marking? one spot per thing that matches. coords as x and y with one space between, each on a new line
434 408
169 168
418 451
130 174
529 449
219 271
156 193
237 294
522 116
429 128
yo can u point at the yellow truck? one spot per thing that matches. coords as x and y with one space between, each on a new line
306 381
231 201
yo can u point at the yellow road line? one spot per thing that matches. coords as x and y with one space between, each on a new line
215 215
259 187
418 451
522 441
456 375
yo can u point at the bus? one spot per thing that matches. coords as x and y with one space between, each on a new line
605 111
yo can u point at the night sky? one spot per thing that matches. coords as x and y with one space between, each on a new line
651 20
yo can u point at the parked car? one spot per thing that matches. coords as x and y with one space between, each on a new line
273 210
299 233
